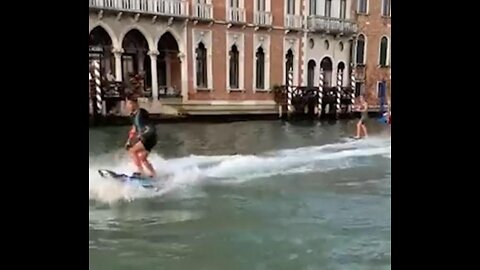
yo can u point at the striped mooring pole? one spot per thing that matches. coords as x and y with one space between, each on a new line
98 88
90 93
352 84
320 92
339 88
290 90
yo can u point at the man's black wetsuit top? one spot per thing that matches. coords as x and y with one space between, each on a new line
144 128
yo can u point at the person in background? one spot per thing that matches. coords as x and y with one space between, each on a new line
363 109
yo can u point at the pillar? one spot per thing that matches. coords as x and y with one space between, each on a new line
153 61
184 77
118 64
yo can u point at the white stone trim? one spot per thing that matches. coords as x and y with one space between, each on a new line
204 36
261 40
109 30
146 34
304 67
183 49
348 10
238 39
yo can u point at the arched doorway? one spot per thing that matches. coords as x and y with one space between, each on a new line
100 47
169 67
311 73
135 60
327 67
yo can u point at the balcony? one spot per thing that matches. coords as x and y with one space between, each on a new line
236 16
293 22
331 25
263 18
203 12
175 8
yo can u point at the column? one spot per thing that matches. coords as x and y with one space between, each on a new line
184 76
118 64
153 61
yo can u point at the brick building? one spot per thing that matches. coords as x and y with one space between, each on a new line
373 51
221 56
243 47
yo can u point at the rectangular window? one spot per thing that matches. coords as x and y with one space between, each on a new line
362 6
261 5
386 8
290 7
234 3
343 9
358 88
313 7
328 8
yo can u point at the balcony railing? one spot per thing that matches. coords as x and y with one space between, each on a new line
236 15
293 21
203 11
263 18
331 25
157 7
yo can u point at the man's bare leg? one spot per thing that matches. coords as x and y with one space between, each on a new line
136 161
364 128
143 155
359 128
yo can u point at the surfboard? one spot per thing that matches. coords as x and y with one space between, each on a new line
143 181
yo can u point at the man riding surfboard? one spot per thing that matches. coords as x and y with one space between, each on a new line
142 137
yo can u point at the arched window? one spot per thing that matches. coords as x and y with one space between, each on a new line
260 72
201 64
234 68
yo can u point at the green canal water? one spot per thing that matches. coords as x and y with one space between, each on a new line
246 195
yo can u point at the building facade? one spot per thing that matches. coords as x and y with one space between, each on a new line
328 41
373 50
228 54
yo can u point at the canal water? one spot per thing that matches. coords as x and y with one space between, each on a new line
246 195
